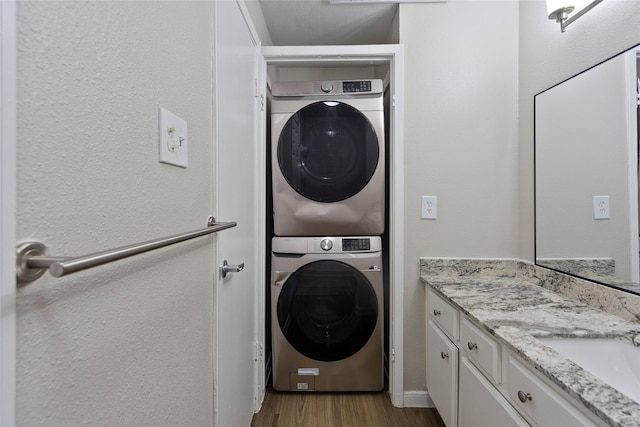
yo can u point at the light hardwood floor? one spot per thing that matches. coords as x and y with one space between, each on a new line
290 409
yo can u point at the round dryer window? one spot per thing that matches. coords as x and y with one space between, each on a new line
327 310
328 151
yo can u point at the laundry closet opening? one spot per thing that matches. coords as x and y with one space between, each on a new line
328 248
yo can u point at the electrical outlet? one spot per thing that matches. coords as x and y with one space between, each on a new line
429 207
601 207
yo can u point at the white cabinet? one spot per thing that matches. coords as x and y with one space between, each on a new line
480 403
540 402
460 392
442 374
475 381
444 314
481 348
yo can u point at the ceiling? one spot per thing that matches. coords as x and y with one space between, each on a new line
318 22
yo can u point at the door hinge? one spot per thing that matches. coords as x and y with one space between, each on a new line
393 354
259 352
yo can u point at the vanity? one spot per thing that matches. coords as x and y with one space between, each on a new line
487 364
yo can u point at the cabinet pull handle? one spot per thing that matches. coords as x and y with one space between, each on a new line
472 345
436 312
523 397
444 355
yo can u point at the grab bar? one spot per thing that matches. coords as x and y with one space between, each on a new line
32 258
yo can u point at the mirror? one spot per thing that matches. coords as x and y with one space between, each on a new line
586 174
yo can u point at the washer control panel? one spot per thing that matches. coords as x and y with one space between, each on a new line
326 245
343 245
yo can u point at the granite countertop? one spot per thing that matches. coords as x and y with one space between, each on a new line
515 311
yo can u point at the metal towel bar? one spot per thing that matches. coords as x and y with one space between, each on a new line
32 258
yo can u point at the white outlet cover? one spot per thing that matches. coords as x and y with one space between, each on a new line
601 208
429 207
173 142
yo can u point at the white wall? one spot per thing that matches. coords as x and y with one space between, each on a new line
128 343
547 57
461 130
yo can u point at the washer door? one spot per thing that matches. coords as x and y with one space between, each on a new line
328 151
327 310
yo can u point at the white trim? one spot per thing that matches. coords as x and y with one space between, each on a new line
394 56
418 399
248 22
631 60
214 162
8 180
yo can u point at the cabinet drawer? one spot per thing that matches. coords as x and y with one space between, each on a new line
539 401
481 348
443 314
442 374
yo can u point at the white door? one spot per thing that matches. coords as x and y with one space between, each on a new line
239 174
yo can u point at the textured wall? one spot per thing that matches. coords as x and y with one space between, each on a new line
128 343
461 143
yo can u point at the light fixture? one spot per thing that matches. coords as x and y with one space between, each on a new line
385 1
567 11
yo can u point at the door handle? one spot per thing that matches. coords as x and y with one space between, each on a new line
227 268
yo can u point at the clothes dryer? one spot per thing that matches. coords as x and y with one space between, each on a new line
327 314
328 158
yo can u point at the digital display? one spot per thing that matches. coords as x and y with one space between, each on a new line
349 245
359 86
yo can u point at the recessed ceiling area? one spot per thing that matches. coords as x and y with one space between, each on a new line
318 22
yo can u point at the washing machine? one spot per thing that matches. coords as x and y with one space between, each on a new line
328 158
327 314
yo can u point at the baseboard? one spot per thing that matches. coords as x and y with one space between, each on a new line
417 399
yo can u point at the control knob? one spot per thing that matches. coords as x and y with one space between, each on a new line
326 244
326 87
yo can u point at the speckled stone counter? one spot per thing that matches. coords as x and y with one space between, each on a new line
505 302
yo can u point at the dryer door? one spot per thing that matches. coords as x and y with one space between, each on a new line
328 151
327 310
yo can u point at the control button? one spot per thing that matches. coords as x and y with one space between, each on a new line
326 244
326 87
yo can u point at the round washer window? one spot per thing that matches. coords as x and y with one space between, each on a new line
327 310
328 151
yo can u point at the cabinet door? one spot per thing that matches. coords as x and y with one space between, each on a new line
480 403
442 374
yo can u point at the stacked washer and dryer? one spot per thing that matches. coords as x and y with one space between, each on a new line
328 185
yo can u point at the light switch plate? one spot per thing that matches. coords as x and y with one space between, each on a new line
429 207
173 143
